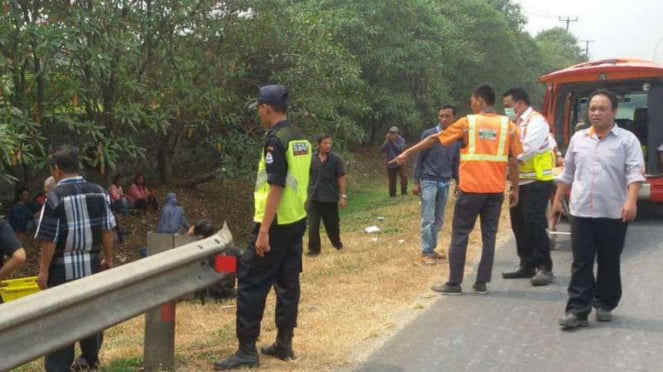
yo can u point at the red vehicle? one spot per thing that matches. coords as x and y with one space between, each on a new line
639 87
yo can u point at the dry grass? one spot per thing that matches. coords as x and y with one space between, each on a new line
352 301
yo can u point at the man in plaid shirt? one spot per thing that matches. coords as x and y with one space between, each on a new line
74 229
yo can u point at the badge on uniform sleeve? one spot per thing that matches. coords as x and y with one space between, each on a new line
268 158
300 148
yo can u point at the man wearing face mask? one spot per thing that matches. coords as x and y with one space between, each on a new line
491 142
528 217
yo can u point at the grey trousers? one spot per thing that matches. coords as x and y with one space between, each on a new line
468 207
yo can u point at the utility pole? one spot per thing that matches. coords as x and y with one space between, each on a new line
587 46
568 20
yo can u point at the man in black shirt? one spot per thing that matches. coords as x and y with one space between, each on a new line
10 248
326 187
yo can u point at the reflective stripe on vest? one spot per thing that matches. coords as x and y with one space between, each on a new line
471 154
290 181
540 166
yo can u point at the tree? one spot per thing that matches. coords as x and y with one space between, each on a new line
559 48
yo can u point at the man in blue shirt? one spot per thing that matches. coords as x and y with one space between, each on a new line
433 170
393 145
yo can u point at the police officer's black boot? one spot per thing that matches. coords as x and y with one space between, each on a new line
282 348
246 356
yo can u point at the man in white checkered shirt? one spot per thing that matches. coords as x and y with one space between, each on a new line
75 227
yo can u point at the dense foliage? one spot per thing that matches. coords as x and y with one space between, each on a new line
163 85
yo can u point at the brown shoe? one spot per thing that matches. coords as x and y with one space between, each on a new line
428 260
438 256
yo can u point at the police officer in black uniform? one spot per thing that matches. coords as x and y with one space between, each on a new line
274 254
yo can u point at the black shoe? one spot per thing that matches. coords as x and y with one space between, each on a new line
339 248
542 277
281 352
447 288
480 288
241 359
519 273
572 320
603 315
312 254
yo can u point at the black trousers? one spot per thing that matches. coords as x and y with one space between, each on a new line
280 267
400 171
529 224
328 212
603 239
468 207
61 360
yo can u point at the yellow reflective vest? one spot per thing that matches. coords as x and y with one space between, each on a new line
292 206
540 166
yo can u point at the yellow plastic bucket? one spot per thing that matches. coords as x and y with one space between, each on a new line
13 289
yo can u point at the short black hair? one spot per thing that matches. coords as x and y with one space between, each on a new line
486 92
65 157
453 109
604 92
20 192
517 94
117 177
204 228
323 137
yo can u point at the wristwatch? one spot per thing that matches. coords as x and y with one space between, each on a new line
344 196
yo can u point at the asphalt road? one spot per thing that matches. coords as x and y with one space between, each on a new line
514 327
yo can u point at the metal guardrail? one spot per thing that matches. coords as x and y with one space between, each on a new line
38 324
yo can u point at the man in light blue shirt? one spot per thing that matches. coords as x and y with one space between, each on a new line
605 166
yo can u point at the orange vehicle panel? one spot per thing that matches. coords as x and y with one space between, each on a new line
595 71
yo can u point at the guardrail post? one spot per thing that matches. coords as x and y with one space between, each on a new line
159 347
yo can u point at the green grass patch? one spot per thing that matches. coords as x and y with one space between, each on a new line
123 365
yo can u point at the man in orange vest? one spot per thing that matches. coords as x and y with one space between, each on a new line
490 143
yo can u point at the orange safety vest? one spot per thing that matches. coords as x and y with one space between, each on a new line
483 161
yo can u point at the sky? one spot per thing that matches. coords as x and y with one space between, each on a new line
618 28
